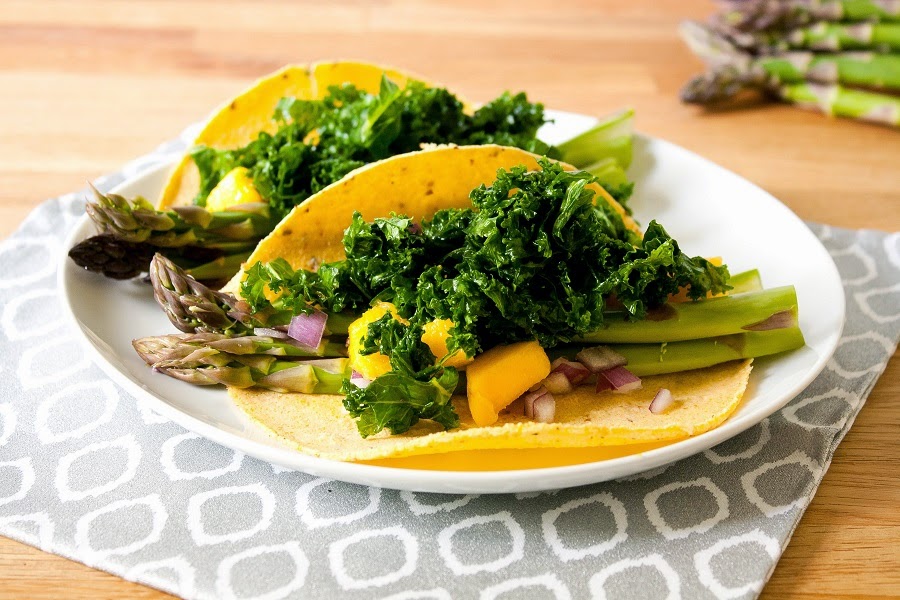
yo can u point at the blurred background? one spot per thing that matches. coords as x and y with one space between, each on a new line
87 85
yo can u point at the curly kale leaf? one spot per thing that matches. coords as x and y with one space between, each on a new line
414 389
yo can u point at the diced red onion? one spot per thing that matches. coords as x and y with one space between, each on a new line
536 386
603 384
661 401
529 397
358 380
621 380
270 332
575 372
601 358
308 329
544 408
558 383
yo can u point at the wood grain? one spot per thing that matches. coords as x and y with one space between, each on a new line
85 86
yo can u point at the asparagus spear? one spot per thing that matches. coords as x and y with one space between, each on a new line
181 346
194 308
674 357
612 177
733 69
210 359
610 138
112 257
833 100
745 281
138 221
822 36
843 102
757 15
117 259
763 310
214 243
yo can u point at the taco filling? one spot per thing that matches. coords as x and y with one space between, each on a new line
506 302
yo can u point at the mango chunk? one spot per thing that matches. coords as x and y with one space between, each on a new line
502 374
435 337
235 188
369 366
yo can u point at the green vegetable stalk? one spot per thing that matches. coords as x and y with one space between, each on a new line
610 138
207 359
828 37
131 231
758 15
675 357
844 102
763 310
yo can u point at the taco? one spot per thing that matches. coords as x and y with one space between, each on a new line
239 121
405 391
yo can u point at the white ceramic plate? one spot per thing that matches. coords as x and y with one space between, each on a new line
709 210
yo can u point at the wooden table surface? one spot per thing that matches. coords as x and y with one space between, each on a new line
87 85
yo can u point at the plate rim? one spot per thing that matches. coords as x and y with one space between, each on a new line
438 481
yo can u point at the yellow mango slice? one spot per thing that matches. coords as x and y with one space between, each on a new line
435 337
235 188
502 374
369 366
236 123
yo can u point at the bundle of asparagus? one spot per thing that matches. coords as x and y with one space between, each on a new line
840 57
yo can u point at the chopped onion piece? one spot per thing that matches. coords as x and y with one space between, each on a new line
601 358
270 332
575 372
544 408
558 383
529 397
621 379
308 329
360 382
661 401
603 384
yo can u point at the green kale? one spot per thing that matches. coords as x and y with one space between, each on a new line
414 389
319 141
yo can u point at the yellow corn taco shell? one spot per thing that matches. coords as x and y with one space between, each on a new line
319 425
416 184
238 121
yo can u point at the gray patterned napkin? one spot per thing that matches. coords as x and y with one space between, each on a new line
89 473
